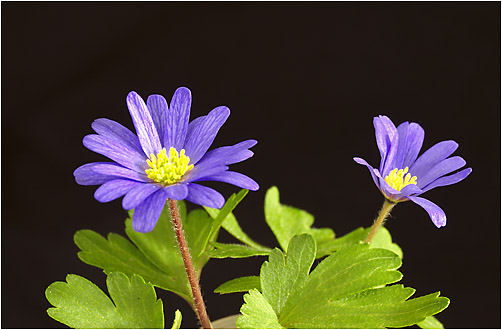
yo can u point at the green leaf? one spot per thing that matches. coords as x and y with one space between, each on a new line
346 290
236 251
229 206
430 323
231 225
81 304
118 254
281 276
161 248
383 240
197 227
257 313
240 284
177 320
287 221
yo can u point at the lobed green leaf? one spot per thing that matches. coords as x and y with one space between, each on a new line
117 254
81 304
348 289
257 313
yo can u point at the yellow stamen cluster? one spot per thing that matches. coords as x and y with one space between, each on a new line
168 169
397 179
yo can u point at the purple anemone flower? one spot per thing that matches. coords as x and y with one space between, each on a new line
402 176
164 160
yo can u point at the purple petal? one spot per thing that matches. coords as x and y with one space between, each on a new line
370 168
431 157
200 172
201 133
143 122
237 179
113 149
228 155
385 130
177 192
437 215
118 171
114 189
116 132
86 176
387 164
414 143
448 180
402 145
138 194
411 189
157 105
177 119
147 214
442 168
204 196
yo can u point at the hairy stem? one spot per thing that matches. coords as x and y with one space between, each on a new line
384 212
200 307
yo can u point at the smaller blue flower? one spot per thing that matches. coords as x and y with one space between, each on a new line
402 176
164 160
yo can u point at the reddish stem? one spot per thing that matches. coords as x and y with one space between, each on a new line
200 307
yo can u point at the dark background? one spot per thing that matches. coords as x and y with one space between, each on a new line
305 80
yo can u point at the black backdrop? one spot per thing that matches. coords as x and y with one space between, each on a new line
304 79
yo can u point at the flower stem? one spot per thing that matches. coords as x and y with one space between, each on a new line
200 307
384 212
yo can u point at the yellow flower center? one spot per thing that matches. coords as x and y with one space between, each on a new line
400 179
168 169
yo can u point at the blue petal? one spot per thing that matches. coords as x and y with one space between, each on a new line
388 163
202 131
143 122
402 131
414 143
431 157
200 172
147 214
86 176
385 130
204 196
113 149
114 169
228 155
442 168
138 194
448 180
177 191
370 168
157 105
406 192
114 189
437 215
177 119
237 179
115 131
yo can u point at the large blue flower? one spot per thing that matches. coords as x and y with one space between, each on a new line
164 160
402 176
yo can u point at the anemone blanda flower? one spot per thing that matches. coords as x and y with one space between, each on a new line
164 160
402 176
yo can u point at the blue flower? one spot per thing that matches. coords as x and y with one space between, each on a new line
164 160
402 176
